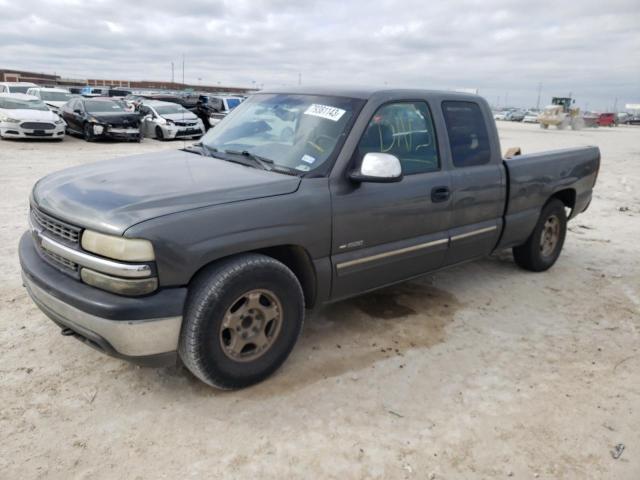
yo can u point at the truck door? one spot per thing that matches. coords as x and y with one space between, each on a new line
478 182
387 232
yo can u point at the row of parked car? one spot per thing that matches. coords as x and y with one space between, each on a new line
515 115
29 111
588 119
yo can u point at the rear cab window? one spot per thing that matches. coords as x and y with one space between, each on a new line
468 135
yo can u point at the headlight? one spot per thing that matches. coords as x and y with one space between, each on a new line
4 118
119 248
59 121
169 122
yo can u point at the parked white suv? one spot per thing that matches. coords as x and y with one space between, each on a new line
16 87
25 116
54 98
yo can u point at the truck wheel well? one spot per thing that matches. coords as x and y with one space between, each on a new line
568 197
299 261
295 258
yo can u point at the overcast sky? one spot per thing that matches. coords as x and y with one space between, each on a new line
502 48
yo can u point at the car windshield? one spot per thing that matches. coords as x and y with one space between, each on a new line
19 88
98 106
170 109
16 104
233 103
55 96
295 131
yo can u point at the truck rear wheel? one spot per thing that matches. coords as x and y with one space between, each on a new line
242 318
542 248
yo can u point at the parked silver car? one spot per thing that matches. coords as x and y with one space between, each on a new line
165 121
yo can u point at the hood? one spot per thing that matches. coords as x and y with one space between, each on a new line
117 118
178 117
114 195
32 115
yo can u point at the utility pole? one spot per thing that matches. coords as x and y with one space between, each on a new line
539 92
172 74
615 105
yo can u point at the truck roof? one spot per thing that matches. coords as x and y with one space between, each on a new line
366 93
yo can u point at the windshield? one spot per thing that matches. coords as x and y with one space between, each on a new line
16 104
295 131
55 96
170 109
96 106
233 103
19 88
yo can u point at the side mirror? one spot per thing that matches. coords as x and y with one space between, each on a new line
378 168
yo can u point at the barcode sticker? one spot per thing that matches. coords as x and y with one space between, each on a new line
325 111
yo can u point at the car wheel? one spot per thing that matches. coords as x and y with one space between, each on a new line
543 247
86 132
544 126
159 133
242 318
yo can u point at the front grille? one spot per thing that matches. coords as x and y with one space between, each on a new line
38 126
58 228
185 124
61 261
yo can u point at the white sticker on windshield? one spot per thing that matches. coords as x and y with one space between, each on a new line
308 159
325 111
303 168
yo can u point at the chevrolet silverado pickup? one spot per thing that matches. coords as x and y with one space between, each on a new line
213 253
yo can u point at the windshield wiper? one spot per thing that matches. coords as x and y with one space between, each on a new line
198 148
264 163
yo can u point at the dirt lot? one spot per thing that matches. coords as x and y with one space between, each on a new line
482 371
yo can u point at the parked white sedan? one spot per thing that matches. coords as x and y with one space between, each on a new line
54 98
25 116
166 120
531 117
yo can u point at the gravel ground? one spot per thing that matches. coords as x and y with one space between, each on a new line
481 371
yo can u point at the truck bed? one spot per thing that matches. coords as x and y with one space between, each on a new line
533 178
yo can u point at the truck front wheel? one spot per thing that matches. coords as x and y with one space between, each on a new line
242 318
542 248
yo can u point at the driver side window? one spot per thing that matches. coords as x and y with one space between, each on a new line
405 130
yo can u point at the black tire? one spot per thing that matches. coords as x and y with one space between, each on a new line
215 293
159 134
531 255
86 132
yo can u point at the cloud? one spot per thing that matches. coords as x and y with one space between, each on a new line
501 47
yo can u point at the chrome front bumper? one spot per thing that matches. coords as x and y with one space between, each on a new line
127 338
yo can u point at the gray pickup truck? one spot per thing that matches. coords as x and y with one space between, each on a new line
212 253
